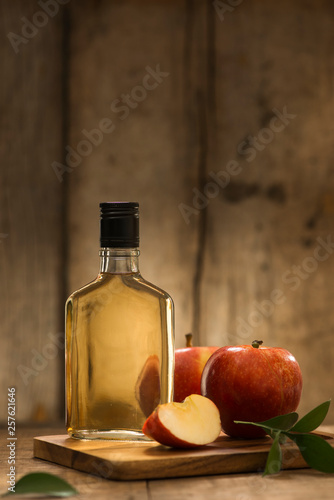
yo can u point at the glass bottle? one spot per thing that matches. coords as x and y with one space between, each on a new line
119 339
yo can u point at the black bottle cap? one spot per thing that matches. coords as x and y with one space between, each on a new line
119 224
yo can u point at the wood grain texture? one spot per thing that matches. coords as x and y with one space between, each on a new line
149 157
300 484
258 234
294 485
88 485
132 461
226 78
269 216
30 215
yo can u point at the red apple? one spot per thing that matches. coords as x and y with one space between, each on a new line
189 364
193 423
251 383
147 388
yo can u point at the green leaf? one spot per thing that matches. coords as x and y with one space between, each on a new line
316 451
313 419
257 424
281 423
274 460
43 484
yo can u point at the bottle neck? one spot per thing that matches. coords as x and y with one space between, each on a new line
119 260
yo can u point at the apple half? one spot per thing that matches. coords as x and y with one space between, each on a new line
194 422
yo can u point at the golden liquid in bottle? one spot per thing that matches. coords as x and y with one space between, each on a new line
119 356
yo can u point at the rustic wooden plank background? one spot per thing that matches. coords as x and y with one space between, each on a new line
31 260
240 259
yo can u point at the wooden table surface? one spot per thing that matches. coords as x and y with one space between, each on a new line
295 484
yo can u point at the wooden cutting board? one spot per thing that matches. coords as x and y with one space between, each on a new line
148 460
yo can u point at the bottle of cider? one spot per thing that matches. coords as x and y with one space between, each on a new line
119 339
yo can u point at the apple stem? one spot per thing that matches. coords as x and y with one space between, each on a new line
189 339
256 343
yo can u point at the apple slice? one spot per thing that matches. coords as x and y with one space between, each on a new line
194 422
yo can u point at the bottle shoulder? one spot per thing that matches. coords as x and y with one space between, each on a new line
151 287
117 284
85 289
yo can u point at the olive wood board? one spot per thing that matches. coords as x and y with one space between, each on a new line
124 460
